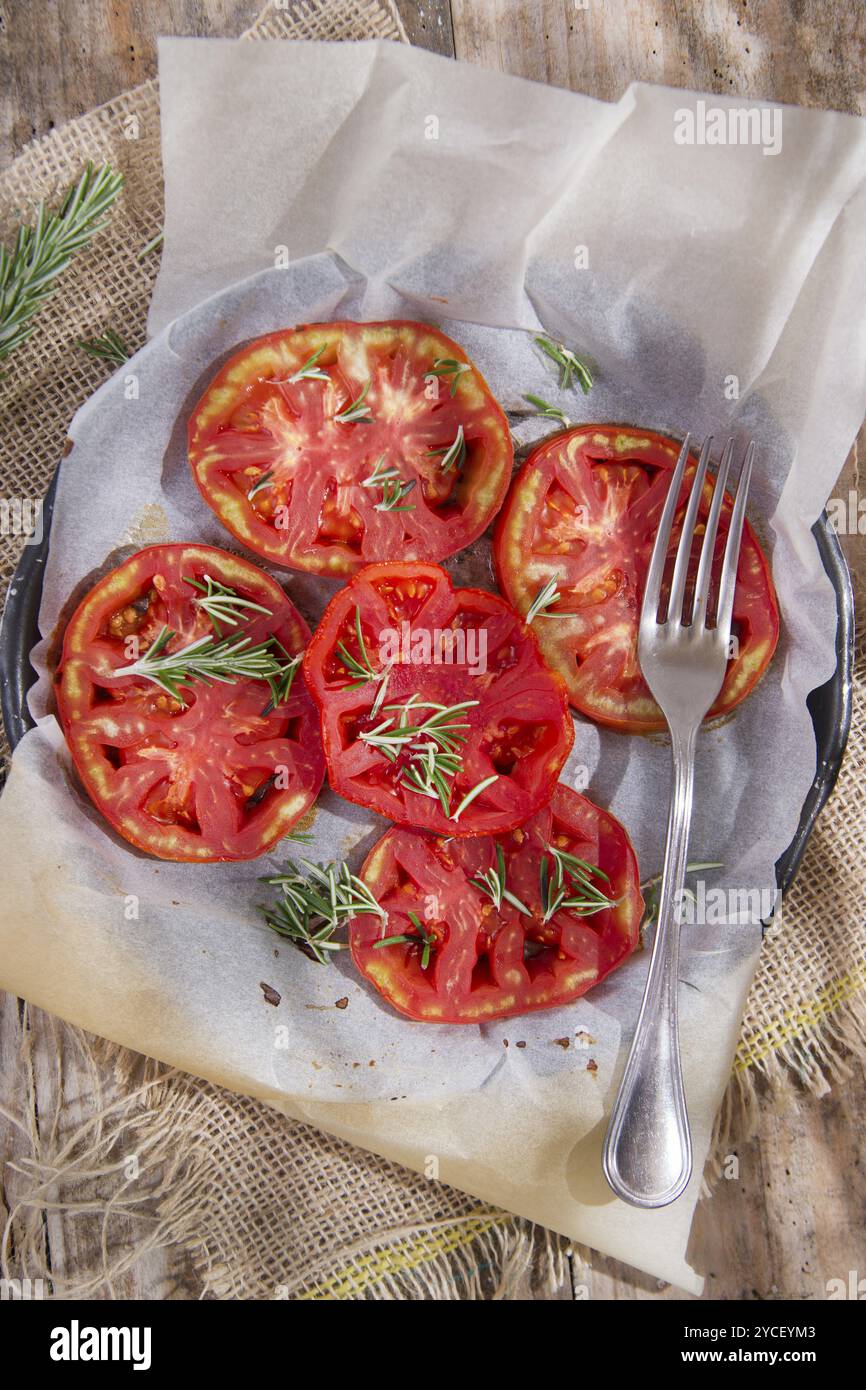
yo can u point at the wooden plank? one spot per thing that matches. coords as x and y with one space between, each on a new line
428 24
59 60
759 49
45 79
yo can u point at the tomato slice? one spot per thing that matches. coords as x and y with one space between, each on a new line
212 776
487 962
397 647
584 510
294 481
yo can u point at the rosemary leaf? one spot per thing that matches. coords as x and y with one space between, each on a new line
151 245
394 490
550 412
454 454
493 883
357 412
546 597
109 346
471 795
448 366
308 371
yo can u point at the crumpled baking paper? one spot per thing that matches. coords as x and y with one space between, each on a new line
372 181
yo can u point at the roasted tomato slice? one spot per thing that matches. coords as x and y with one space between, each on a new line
218 773
467 960
331 445
584 510
437 708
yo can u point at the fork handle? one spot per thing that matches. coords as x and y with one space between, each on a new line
648 1149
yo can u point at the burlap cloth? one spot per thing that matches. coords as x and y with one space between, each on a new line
264 1207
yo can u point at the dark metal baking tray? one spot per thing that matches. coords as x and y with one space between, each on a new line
829 704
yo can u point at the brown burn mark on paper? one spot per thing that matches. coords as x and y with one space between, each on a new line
271 995
150 528
305 822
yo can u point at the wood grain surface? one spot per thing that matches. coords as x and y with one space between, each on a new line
794 1216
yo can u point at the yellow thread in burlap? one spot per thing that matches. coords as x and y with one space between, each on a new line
250 1204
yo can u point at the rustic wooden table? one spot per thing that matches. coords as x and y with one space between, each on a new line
794 1217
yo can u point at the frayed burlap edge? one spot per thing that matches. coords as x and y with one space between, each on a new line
437 1243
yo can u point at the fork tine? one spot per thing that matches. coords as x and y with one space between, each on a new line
684 549
728 581
653 582
705 568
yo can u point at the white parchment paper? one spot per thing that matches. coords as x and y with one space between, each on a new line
402 185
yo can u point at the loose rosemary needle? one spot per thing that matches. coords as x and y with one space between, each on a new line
449 367
109 347
568 362
546 597
548 411
452 455
357 412
493 883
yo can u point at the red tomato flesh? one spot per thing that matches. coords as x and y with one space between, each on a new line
212 777
431 637
292 480
488 962
584 510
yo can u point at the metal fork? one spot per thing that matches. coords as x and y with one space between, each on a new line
648 1150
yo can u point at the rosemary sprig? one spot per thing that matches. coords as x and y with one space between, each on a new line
226 661
41 252
428 939
315 900
570 886
222 604
432 747
357 412
550 412
568 362
449 366
109 347
308 371
393 488
493 883
263 481
441 728
454 454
